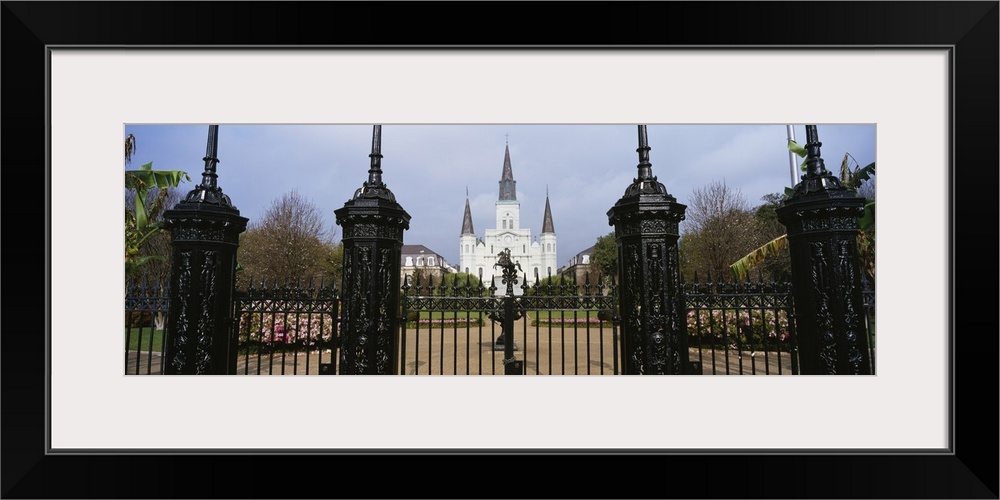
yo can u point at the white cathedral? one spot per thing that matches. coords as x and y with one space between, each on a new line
536 257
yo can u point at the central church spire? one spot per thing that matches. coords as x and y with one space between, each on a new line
507 182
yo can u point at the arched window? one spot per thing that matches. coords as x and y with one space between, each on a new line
550 270
504 223
420 261
430 261
466 248
524 249
466 270
409 261
548 247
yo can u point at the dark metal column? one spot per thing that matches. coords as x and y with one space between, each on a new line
646 218
822 221
205 229
373 236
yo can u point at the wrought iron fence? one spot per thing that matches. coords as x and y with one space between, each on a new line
145 325
287 329
734 328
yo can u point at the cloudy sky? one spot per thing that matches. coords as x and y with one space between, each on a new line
585 168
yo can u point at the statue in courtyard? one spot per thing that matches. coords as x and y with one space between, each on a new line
509 270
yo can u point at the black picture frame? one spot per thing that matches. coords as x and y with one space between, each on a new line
970 28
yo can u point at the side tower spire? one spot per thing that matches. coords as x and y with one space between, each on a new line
547 241
547 226
507 182
467 219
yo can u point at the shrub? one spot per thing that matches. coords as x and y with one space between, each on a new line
742 327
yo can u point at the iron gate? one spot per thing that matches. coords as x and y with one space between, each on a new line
289 329
549 329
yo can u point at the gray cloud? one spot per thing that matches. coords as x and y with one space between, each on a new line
586 167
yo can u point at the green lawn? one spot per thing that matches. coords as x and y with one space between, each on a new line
140 341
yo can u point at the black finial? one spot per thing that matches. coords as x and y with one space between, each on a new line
375 172
645 167
209 178
814 163
817 178
645 182
209 191
374 187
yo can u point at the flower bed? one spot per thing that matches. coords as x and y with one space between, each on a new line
286 329
741 326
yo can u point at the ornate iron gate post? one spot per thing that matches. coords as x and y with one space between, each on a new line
646 218
822 221
204 229
373 237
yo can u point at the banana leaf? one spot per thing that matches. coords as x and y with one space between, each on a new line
144 179
742 267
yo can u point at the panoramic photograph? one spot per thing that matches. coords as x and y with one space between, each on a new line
562 249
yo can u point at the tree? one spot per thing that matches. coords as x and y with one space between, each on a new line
854 179
605 256
142 217
289 242
720 229
155 253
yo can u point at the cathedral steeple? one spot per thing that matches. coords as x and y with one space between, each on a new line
507 182
467 220
547 226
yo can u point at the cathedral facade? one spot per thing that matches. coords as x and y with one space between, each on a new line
537 256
